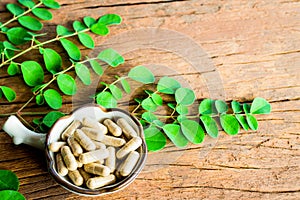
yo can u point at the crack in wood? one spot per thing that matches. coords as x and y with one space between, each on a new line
129 4
286 52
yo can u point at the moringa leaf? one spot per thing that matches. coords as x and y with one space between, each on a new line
155 139
9 53
53 99
33 73
11 195
236 107
51 4
149 116
8 45
242 121
157 99
110 19
96 67
8 180
111 57
175 135
252 121
63 31
51 118
30 23
116 92
149 92
106 100
210 126
149 105
72 50
168 85
39 99
185 96
42 13
139 101
192 131
230 124
66 84
89 21
171 105
158 123
83 73
260 106
15 9
141 74
125 86
27 3
53 60
9 93
78 26
207 107
13 69
181 118
246 108
182 110
86 40
17 35
100 29
221 106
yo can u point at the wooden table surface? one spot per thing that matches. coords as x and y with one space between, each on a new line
231 50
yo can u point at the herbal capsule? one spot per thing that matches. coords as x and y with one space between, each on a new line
61 167
69 158
86 176
127 166
98 182
132 145
79 164
113 141
84 140
75 146
113 127
111 159
94 134
76 177
55 146
100 162
93 156
98 169
99 145
92 123
129 132
70 129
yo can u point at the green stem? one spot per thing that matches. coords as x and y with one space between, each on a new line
49 83
135 109
17 17
57 38
24 121
115 82
174 110
26 104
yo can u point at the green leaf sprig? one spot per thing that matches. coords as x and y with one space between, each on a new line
179 126
9 186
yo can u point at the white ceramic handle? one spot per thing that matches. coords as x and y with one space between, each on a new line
20 134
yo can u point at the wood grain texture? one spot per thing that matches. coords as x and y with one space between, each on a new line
249 48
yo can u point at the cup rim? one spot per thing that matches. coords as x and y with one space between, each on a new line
105 189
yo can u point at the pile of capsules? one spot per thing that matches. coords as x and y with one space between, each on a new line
95 154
